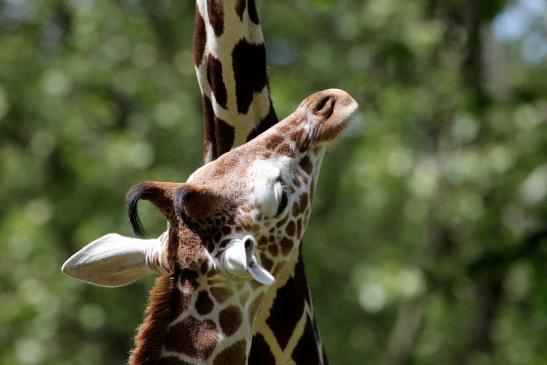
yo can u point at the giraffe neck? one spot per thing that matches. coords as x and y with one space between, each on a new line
285 330
193 319
230 62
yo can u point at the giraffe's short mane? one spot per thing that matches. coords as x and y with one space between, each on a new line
162 307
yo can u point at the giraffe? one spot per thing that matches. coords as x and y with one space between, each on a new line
234 228
230 62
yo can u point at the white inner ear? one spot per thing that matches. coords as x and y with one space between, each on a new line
114 260
238 262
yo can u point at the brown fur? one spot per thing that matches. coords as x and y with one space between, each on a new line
233 355
161 309
193 337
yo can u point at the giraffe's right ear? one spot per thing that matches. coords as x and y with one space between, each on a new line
115 260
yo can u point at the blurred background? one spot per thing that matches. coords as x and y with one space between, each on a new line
428 241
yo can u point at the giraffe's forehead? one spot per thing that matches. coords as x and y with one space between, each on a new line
253 164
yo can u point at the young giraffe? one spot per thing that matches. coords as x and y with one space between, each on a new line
233 232
230 60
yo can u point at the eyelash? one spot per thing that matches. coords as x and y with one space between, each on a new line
283 202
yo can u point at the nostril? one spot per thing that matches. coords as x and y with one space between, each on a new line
321 104
248 243
325 107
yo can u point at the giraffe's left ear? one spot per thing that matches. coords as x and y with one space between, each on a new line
114 260
331 110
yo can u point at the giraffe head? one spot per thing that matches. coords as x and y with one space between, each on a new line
238 218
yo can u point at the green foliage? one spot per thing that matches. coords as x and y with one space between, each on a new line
428 240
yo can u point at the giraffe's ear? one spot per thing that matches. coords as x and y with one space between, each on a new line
331 109
197 201
114 260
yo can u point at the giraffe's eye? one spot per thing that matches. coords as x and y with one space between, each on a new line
282 203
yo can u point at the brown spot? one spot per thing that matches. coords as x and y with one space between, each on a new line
295 209
221 294
286 246
255 306
300 207
214 77
271 239
209 138
290 229
249 66
230 320
260 352
233 355
200 37
299 228
216 16
274 250
252 12
306 165
265 124
188 281
273 142
304 200
192 337
240 8
284 128
299 136
204 268
306 351
263 241
283 221
217 235
224 136
284 149
266 262
204 304
184 303
288 305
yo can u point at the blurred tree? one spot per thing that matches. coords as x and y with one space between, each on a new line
428 240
